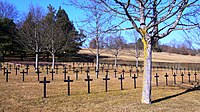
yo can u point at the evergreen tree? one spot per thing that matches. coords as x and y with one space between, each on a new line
8 33
73 38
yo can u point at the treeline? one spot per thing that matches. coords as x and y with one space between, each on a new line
50 33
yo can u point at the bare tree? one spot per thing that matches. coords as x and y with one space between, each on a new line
8 10
114 44
153 19
96 23
134 50
32 32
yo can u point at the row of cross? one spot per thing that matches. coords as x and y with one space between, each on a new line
88 79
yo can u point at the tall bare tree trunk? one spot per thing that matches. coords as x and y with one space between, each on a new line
36 59
53 61
137 56
115 61
97 57
146 91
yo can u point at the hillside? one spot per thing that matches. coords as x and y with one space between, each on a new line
157 56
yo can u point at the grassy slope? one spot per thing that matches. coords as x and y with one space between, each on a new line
157 56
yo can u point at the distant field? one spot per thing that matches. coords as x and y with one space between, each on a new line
157 56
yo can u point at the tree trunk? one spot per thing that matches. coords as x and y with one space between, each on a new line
53 61
36 59
115 61
146 92
97 55
137 56
97 60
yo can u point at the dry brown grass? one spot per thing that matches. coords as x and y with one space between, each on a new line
18 96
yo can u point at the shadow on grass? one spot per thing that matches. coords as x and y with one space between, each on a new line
172 96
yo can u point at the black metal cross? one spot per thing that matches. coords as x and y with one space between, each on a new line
115 71
134 79
121 78
88 79
44 82
97 73
27 68
87 71
123 72
107 71
174 78
81 69
76 71
68 83
52 72
182 75
189 76
156 76
47 69
23 72
102 68
166 76
7 72
195 76
16 70
130 71
106 81
38 73
57 69
64 72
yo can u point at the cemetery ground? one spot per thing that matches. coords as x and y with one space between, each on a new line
19 96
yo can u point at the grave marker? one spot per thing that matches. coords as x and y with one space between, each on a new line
97 73
123 72
57 69
182 75
38 73
102 68
174 78
87 71
107 71
7 72
52 73
27 68
23 72
65 72
195 77
44 82
68 83
81 69
134 81
76 71
88 80
47 69
16 70
115 73
106 81
121 78
189 77
166 76
156 76
130 71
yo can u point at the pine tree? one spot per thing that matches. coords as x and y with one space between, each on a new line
73 38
